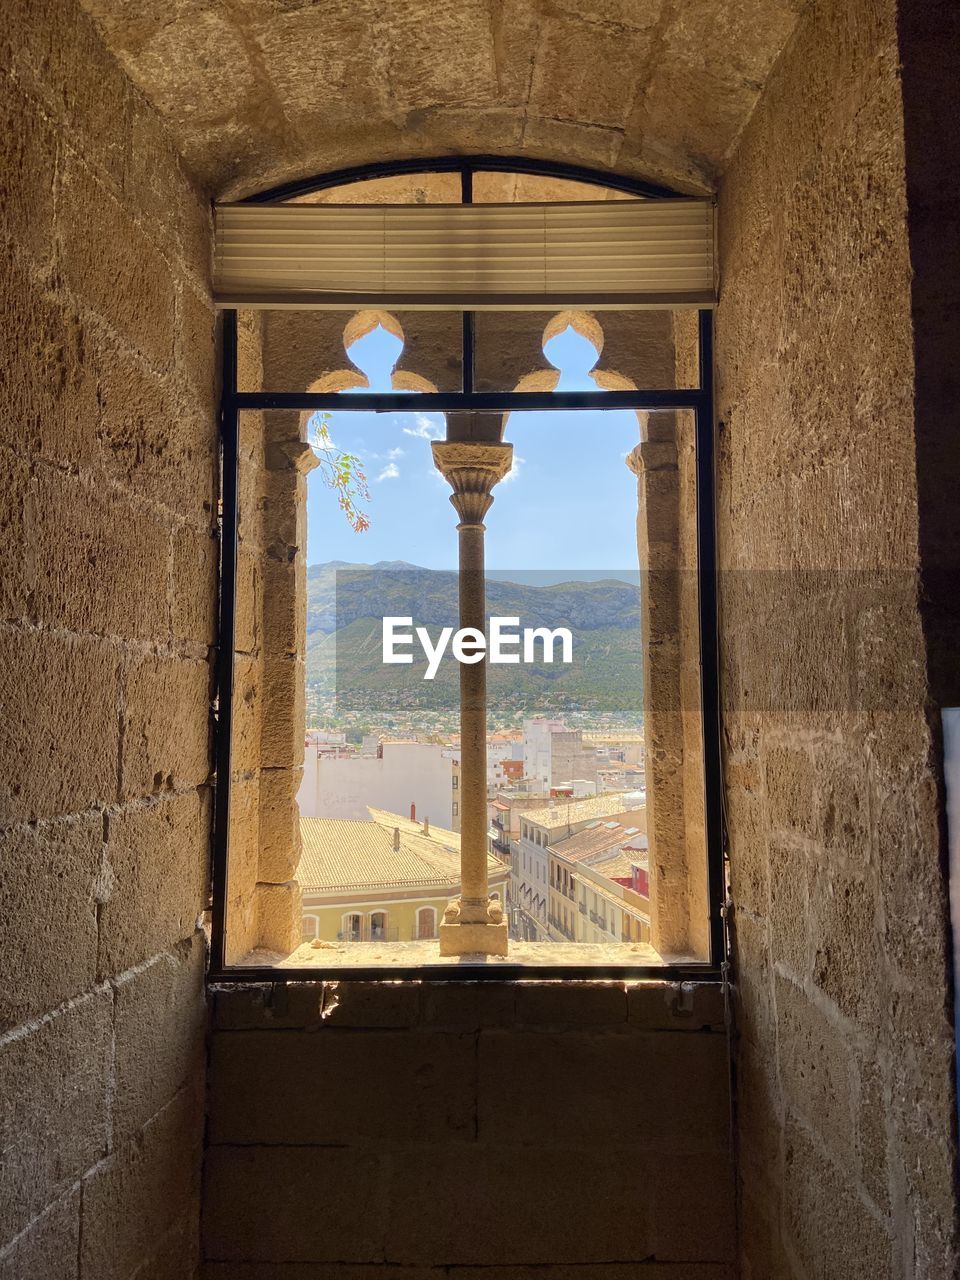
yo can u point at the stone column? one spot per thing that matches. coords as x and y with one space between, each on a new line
473 924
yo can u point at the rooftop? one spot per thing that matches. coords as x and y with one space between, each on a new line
340 853
593 840
569 812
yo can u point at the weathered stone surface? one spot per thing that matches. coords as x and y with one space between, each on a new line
48 918
111 264
825 665
55 1120
166 726
688 1076
29 144
279 843
828 1226
193 584
148 1185
79 679
155 878
271 1204
261 1088
236 85
47 1249
105 571
107 452
430 1200
158 1033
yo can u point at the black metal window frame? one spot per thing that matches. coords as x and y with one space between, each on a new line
698 400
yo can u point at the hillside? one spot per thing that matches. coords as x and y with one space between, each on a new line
346 605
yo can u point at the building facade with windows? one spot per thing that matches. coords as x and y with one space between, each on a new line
386 879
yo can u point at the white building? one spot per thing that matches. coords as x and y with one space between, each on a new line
553 754
401 774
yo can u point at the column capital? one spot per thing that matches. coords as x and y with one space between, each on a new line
472 469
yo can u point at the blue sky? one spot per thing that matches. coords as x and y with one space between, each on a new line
568 507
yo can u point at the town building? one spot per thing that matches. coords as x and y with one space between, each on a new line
599 844
422 774
386 878
541 827
553 754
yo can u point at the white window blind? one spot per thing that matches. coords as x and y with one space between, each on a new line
621 254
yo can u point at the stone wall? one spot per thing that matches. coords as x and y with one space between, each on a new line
264 905
107 458
503 1131
844 1051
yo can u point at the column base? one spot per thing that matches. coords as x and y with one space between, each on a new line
473 937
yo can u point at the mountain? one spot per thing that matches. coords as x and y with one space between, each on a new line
347 602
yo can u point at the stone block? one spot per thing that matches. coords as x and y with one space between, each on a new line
281 738
158 1033
104 569
298 1005
435 1192
149 1183
845 925
279 909
686 1080
244 844
78 679
157 867
193 585
789 777
379 1087
166 725
176 1256
156 437
28 147
48 917
16 492
247 722
54 1079
828 1227
459 1006
279 825
291 1204
677 1006
47 1249
249 615
570 1005
195 344
473 938
693 1208
110 263
49 391
564 86
789 928
284 607
817 1069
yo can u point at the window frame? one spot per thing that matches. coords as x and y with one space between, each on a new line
698 400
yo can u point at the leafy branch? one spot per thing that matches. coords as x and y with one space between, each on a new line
342 472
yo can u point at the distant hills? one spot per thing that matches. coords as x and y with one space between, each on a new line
347 602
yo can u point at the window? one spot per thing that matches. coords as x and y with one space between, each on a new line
351 456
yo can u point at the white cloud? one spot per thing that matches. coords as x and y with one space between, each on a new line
518 462
424 429
394 454
390 472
